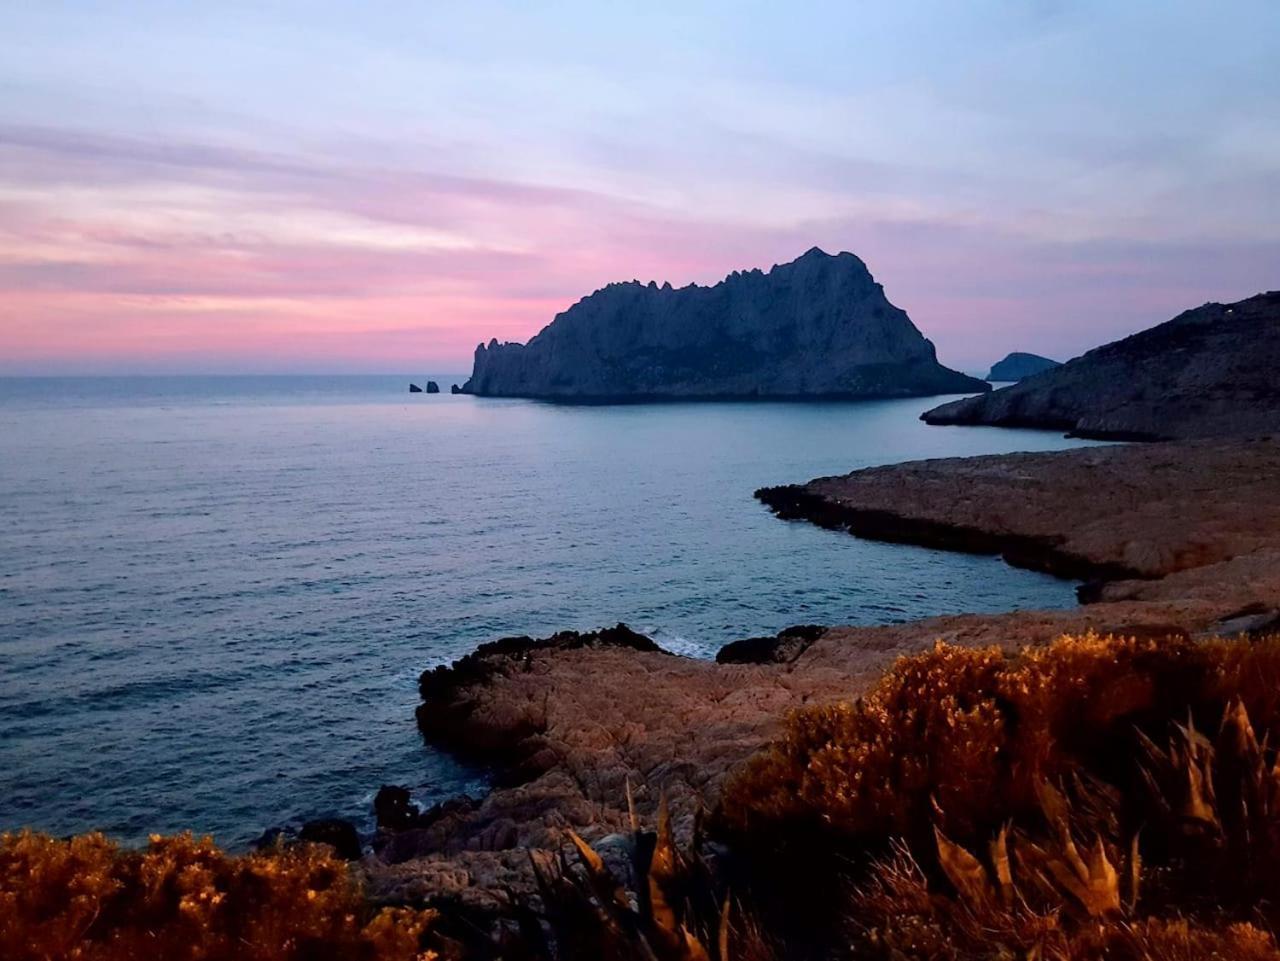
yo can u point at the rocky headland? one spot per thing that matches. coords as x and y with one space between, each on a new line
1095 513
1209 372
1019 366
819 326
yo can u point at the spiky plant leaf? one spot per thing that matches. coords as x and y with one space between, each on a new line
1003 870
1134 874
661 879
964 871
722 941
1104 883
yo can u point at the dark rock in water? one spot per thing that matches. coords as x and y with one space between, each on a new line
394 809
817 327
339 834
1209 372
455 389
415 389
783 649
1018 366
433 387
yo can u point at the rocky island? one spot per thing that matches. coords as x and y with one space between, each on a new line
1019 366
819 326
1208 372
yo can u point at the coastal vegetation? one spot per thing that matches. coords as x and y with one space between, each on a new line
1096 797
181 897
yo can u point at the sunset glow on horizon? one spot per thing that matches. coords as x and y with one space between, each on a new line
317 187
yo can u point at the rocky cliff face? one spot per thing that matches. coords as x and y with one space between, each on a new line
1019 365
1209 372
817 327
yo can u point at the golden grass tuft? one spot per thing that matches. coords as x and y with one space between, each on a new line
181 898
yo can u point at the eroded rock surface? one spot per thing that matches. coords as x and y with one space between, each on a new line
817 327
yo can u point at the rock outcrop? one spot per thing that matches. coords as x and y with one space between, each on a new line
781 649
1019 366
817 327
415 389
433 387
1209 372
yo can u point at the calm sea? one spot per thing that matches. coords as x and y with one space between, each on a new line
216 594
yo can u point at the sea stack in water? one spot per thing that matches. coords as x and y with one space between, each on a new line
817 327
1018 366
433 387
1209 372
415 389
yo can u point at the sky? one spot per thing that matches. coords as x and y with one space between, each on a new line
377 187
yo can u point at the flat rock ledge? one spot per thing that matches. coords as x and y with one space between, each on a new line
1046 553
1105 514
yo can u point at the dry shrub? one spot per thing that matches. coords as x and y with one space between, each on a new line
971 731
181 898
1062 802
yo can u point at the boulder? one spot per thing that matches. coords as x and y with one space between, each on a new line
415 389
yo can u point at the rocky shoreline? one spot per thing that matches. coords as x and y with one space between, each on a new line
1039 553
568 723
